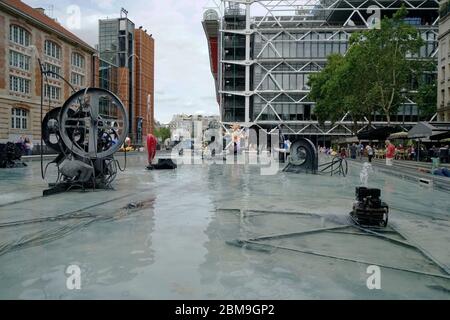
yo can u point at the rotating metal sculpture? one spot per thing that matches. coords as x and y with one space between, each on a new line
305 159
86 132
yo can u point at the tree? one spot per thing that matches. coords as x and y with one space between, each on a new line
340 89
162 133
372 75
326 90
388 53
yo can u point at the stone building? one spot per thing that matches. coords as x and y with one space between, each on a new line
28 35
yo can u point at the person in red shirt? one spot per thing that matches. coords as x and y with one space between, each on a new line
390 153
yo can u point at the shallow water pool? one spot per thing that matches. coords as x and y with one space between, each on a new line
177 243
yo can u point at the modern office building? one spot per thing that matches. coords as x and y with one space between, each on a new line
116 49
443 102
263 52
127 69
27 34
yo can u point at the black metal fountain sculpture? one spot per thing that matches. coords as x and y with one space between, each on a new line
305 159
369 210
86 131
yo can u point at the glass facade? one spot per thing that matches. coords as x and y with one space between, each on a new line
287 46
109 41
116 41
108 76
116 49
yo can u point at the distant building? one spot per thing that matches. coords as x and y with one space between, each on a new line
182 125
127 69
444 63
27 33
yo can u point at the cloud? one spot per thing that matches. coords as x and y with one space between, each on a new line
105 4
183 80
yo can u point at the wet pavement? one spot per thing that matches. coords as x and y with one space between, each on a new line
173 235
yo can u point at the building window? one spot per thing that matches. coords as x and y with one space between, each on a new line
21 85
53 69
77 60
19 118
52 92
19 60
52 49
77 79
19 35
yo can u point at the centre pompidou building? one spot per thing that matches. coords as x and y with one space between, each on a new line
263 52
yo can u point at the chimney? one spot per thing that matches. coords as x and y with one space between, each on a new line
40 10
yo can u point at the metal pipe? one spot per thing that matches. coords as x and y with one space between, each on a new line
311 252
287 235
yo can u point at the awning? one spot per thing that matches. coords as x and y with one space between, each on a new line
379 134
398 135
428 130
441 136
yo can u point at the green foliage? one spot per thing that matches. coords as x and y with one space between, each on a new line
373 74
326 90
162 133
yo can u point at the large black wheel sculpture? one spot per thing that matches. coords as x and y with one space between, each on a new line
303 157
98 115
86 132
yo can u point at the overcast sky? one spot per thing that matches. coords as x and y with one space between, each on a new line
183 79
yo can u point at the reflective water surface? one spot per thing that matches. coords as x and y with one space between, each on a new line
173 235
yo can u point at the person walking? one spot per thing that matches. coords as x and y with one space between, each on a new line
353 151
369 152
412 153
28 146
390 153
361 151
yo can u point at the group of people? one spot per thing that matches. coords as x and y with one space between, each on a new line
360 150
389 152
354 151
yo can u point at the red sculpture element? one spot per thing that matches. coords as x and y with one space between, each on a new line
151 147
